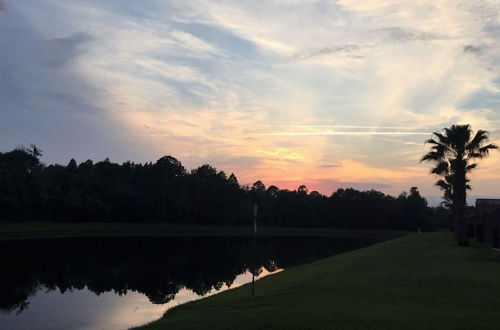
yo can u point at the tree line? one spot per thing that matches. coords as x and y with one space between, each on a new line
164 191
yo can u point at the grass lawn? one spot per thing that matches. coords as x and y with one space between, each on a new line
11 231
420 281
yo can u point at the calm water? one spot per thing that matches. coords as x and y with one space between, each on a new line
116 283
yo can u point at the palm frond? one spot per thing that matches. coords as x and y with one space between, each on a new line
458 137
432 141
480 137
482 152
487 148
477 155
443 139
432 156
443 185
470 167
440 148
442 168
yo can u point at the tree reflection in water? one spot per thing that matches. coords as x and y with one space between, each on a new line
156 267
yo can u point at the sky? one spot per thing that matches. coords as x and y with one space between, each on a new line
328 94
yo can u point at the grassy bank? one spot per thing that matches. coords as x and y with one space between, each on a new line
54 230
420 281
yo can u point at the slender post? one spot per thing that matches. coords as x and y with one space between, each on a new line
255 211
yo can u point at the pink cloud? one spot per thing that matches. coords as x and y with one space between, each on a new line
3 7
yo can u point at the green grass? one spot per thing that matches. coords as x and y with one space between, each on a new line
12 231
420 281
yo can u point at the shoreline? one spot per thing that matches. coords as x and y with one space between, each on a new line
17 231
419 281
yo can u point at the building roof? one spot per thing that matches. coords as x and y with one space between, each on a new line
488 201
487 205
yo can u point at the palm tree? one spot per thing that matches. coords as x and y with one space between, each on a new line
454 152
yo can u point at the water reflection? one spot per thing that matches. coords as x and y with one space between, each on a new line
84 310
115 283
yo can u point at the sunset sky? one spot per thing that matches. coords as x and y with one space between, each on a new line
323 93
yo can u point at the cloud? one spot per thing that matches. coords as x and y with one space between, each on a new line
194 44
371 38
402 35
330 165
44 97
59 51
36 74
3 7
350 50
472 49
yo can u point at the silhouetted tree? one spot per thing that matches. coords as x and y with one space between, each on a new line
21 192
453 152
303 189
272 191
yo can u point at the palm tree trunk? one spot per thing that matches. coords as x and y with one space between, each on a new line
461 229
459 202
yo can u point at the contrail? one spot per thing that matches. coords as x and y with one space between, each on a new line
345 133
346 126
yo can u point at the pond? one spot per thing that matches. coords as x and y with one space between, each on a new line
117 283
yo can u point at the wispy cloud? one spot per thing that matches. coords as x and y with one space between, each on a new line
331 165
472 49
402 35
349 50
